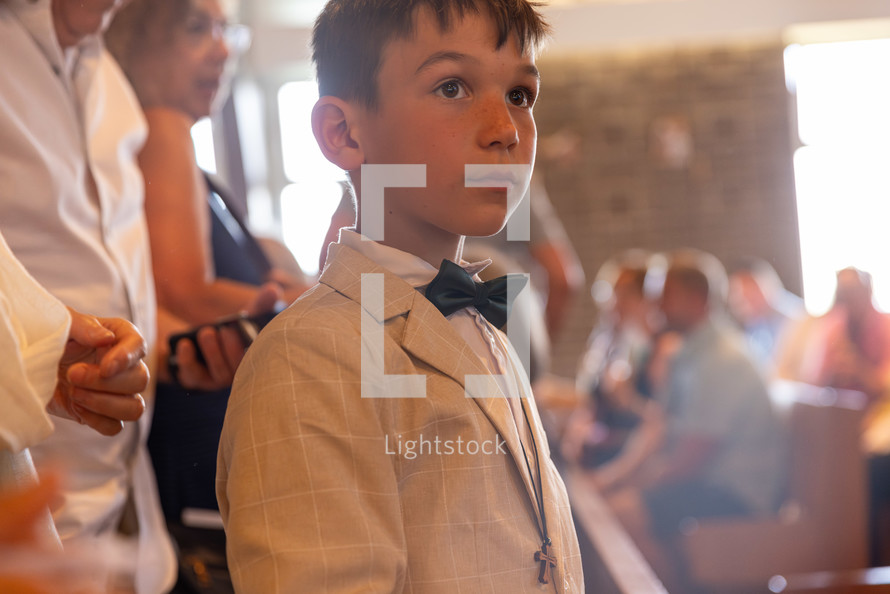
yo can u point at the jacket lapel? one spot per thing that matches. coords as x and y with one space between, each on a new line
429 337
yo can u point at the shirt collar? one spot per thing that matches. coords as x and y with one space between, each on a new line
412 269
36 18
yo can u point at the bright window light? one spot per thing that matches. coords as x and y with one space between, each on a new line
302 157
306 210
202 137
842 173
308 203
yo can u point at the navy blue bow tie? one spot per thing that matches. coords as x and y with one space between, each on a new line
453 289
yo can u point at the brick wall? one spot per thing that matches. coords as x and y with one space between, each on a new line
603 123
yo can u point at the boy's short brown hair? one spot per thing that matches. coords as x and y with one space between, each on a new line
349 36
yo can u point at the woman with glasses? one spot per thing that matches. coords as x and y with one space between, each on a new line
207 265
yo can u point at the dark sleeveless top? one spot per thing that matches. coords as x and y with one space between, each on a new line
187 423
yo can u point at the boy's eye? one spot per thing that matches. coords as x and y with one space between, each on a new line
520 97
452 89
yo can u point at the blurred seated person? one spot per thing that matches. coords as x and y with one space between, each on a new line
647 411
848 347
722 450
762 307
610 373
207 264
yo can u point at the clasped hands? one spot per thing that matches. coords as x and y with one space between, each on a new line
101 373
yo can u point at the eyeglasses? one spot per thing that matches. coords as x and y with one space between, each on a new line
201 31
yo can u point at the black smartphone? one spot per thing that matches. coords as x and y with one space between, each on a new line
248 327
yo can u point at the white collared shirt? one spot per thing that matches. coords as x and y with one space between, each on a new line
71 210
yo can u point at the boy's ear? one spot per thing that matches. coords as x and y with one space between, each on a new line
332 123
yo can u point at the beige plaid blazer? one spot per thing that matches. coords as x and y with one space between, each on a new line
313 492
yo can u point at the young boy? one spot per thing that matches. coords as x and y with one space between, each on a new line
335 476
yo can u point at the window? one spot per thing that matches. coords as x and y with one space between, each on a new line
202 137
308 202
842 170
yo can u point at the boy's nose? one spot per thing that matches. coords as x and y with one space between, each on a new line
498 128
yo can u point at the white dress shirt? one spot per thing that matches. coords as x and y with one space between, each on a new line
71 209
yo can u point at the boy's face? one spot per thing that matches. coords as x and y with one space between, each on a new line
448 99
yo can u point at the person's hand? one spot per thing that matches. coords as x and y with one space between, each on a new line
266 298
101 374
222 348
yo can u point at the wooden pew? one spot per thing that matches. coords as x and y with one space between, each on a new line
823 523
612 562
